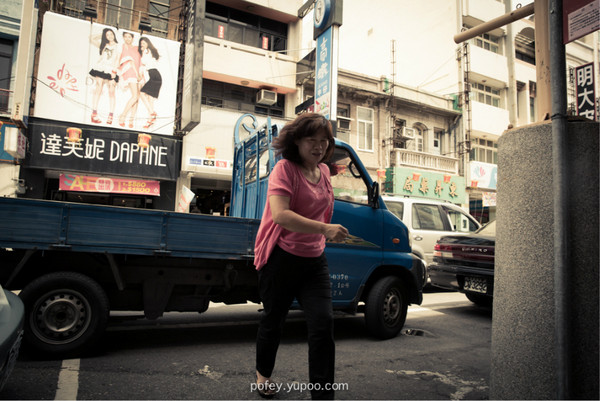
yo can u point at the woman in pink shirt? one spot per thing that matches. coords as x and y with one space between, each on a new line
289 251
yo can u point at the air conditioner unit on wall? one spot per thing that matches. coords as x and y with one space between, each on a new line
407 132
343 123
266 97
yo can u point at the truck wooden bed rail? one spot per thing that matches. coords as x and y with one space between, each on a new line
116 230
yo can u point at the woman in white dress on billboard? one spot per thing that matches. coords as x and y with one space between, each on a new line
105 72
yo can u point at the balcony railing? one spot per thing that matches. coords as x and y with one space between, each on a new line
411 158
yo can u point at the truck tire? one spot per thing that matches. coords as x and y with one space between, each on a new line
65 313
386 307
480 299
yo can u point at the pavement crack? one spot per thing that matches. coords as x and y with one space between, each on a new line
462 387
210 374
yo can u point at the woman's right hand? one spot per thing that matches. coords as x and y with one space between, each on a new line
335 232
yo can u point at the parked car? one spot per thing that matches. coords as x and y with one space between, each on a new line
12 314
428 220
466 263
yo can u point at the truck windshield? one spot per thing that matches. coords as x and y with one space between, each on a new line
348 184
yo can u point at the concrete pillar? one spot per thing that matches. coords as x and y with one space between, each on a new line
524 352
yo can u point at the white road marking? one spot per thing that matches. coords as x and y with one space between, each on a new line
422 311
68 380
463 387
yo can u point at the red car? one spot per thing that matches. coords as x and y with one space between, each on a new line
466 263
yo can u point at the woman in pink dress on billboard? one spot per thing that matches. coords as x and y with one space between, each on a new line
129 66
105 71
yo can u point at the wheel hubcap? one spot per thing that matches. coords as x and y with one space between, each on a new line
60 317
391 307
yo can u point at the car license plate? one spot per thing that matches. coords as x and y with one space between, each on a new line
475 284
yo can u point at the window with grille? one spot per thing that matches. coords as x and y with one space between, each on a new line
74 8
238 26
484 150
485 94
365 128
234 97
158 11
488 42
119 13
6 52
343 122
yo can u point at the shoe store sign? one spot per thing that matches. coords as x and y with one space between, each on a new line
96 74
102 151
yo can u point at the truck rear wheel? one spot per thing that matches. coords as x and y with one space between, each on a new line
66 313
386 307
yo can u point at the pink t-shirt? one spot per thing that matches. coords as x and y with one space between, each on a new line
313 201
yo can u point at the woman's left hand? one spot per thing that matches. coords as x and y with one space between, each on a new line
335 232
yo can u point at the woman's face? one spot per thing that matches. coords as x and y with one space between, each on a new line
110 36
143 44
128 38
312 148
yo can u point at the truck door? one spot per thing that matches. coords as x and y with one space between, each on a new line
351 260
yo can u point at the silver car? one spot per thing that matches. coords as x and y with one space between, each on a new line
428 220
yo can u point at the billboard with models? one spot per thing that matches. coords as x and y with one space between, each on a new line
95 74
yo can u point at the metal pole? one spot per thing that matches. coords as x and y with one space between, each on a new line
559 184
492 24
543 98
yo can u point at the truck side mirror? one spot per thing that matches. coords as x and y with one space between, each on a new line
374 195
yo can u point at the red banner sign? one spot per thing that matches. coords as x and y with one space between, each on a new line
86 183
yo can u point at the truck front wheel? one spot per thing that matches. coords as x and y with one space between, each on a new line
386 307
66 313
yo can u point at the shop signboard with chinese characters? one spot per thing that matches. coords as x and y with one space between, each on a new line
209 163
323 90
129 186
90 73
328 16
432 185
100 151
586 91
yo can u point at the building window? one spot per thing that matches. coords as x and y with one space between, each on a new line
240 98
159 17
419 139
343 122
488 42
483 150
438 134
485 94
73 8
525 48
6 52
238 26
119 13
365 128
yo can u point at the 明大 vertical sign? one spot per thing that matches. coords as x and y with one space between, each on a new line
585 91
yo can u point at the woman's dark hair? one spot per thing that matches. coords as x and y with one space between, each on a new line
150 47
306 124
104 40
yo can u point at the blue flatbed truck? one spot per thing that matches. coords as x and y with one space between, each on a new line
73 263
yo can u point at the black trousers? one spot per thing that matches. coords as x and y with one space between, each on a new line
283 278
